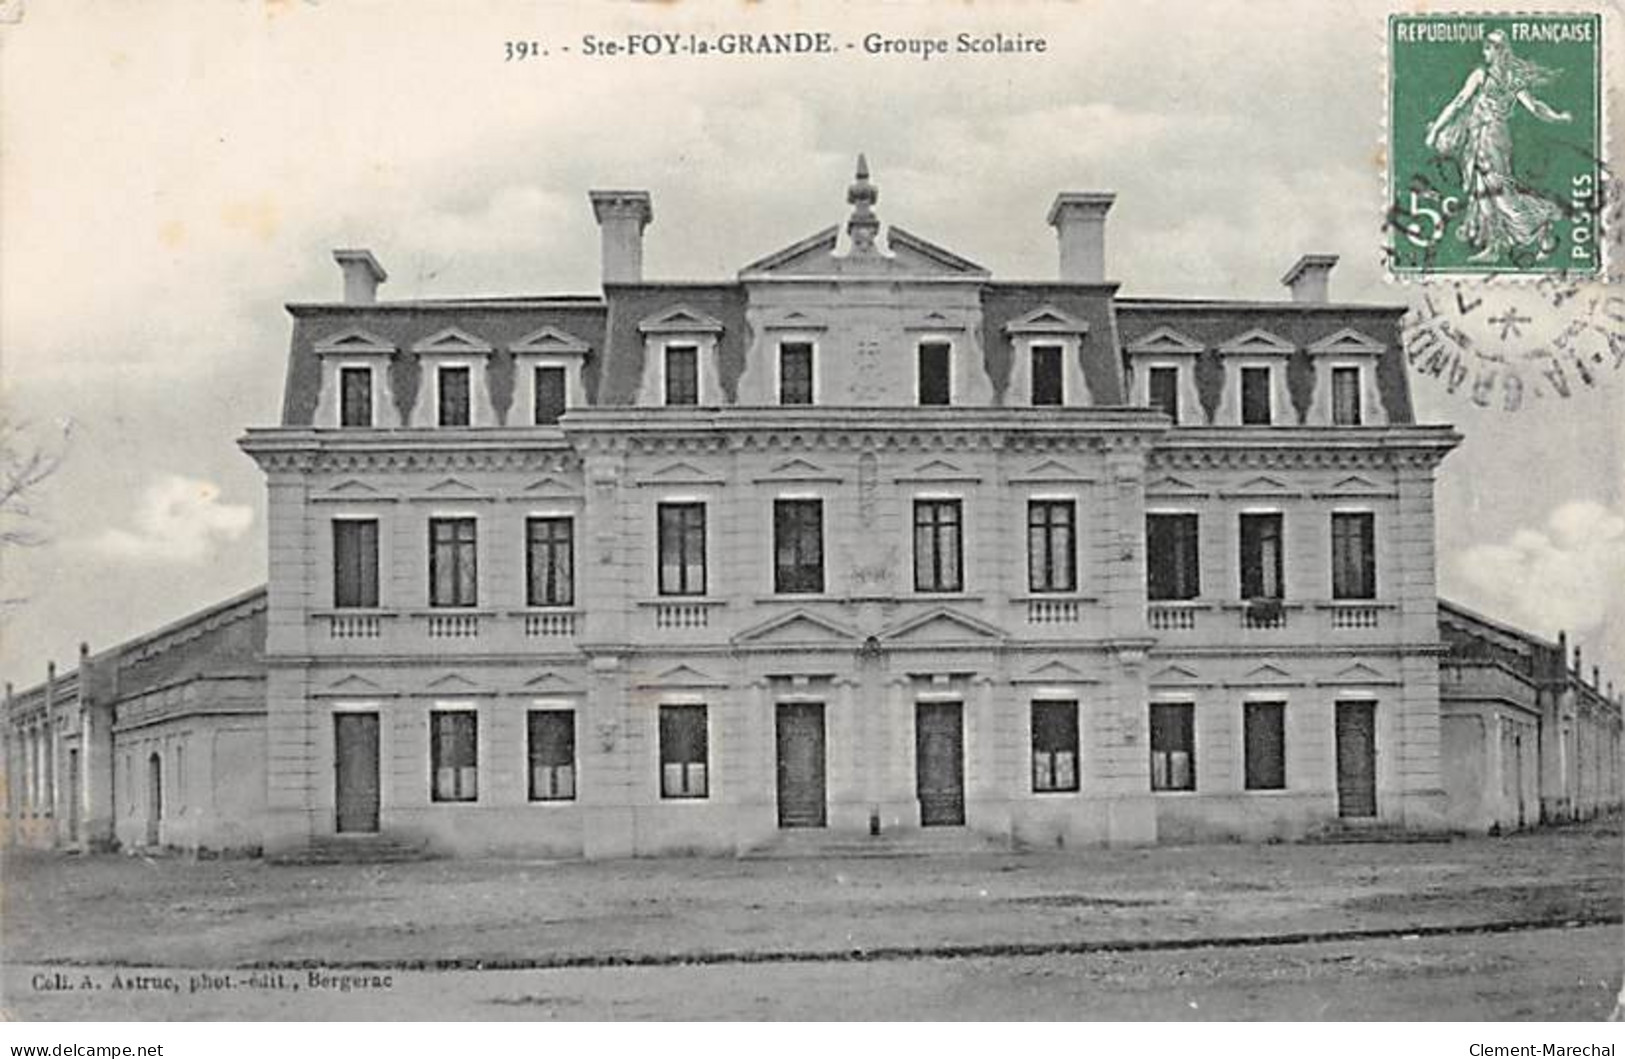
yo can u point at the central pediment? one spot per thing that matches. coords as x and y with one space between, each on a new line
905 255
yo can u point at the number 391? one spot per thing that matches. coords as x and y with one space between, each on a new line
519 50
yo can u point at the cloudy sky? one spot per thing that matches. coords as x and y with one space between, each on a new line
172 173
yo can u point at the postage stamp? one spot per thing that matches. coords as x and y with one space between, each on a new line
1495 144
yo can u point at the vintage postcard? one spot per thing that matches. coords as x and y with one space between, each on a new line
787 512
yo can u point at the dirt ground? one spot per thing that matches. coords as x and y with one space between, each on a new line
1001 936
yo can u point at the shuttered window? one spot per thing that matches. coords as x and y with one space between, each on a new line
1264 735
552 747
454 755
1055 746
355 562
684 752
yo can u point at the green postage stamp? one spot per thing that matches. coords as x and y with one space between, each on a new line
1495 143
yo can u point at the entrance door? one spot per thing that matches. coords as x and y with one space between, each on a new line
155 797
73 796
939 757
355 771
801 764
1356 759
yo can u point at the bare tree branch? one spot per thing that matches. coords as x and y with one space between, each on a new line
25 467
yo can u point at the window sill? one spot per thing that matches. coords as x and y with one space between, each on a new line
1182 792
551 802
684 799
1068 792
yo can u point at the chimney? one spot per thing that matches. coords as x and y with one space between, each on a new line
1079 220
1309 279
362 274
622 216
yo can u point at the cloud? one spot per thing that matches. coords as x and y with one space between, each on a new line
1565 575
177 520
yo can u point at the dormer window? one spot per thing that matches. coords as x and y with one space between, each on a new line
1346 411
1048 387
454 392
936 385
682 374
549 387
547 374
795 373
452 395
1162 391
1255 397
355 397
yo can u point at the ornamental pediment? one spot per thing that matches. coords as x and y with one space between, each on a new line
1174 674
938 471
353 489
1267 674
1049 320
453 683
799 470
550 683
1359 673
1355 485
1263 485
550 340
454 341
1169 485
1348 342
681 472
354 341
680 319
1167 341
353 684
1056 672
941 625
1052 471
684 676
1257 342
794 320
551 486
799 627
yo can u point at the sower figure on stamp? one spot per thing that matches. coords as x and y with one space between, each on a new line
1474 128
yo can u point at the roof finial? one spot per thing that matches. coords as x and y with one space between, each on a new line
863 225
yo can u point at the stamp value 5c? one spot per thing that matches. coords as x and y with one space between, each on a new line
1494 144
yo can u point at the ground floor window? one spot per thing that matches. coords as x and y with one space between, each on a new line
454 755
1264 736
552 755
1173 747
684 752
1055 746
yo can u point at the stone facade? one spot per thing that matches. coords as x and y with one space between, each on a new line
862 542
159 742
1527 737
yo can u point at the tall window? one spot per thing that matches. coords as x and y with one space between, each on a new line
1055 746
549 383
1162 385
1261 572
682 375
798 546
550 562
552 747
1047 386
684 750
1051 546
796 373
1173 747
682 549
1255 397
1173 568
355 397
935 385
454 755
453 577
1264 736
454 405
1354 555
1346 397
938 563
355 562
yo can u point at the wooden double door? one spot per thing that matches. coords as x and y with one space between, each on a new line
355 772
939 763
1356 759
801 772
